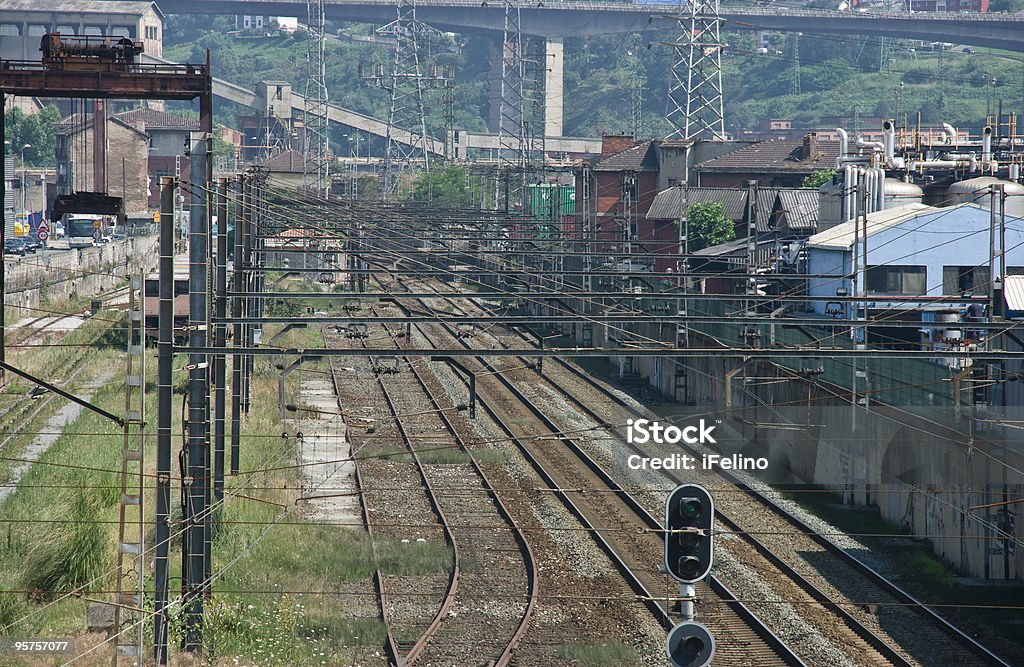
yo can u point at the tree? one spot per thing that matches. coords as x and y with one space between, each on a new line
707 225
39 130
819 178
446 186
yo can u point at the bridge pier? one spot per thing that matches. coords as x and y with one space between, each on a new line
554 52
554 74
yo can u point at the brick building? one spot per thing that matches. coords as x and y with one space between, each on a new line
126 160
167 134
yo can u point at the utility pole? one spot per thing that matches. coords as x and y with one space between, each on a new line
695 87
196 484
220 340
165 360
796 63
316 165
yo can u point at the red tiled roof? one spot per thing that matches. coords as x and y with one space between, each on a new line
642 157
774 155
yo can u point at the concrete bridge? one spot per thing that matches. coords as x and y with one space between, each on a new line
566 18
555 20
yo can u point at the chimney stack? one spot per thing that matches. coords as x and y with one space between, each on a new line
810 148
612 144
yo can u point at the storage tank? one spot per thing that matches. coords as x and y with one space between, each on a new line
976 191
901 193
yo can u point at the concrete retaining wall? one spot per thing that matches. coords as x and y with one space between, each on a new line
82 272
926 472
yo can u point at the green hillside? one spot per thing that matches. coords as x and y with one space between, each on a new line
835 76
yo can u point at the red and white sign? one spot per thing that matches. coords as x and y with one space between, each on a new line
42 234
43 227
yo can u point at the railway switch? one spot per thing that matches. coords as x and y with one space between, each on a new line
689 518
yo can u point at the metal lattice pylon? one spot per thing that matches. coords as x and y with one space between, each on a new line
695 90
316 166
521 111
405 86
129 614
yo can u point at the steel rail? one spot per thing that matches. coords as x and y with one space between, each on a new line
533 574
650 522
453 580
822 541
862 631
871 574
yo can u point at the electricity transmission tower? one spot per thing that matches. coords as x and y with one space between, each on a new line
521 115
695 89
316 166
405 87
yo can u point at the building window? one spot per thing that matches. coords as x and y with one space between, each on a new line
897 279
960 279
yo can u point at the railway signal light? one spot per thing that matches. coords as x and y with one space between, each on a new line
690 644
689 518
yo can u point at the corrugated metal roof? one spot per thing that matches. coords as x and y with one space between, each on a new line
841 236
667 204
1013 293
799 208
158 120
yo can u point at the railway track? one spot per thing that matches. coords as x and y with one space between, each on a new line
626 531
25 408
881 621
475 521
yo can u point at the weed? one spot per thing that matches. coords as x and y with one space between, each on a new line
73 554
606 653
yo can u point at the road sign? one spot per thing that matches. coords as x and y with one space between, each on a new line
42 234
96 224
689 520
43 227
690 644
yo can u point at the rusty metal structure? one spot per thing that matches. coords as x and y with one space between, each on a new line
91 68
89 54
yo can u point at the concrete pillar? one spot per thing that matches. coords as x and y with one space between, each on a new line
553 84
494 86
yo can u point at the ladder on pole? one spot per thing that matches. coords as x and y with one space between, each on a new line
129 615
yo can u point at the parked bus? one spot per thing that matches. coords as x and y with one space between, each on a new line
81 228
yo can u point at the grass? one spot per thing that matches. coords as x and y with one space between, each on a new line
604 653
286 600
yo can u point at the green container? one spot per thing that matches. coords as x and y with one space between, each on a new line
550 202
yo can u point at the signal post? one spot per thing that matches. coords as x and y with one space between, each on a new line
689 554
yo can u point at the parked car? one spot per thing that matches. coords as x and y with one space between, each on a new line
33 243
58 230
25 244
13 247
